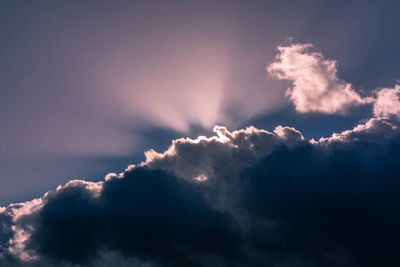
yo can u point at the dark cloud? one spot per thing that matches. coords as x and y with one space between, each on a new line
148 213
243 198
324 201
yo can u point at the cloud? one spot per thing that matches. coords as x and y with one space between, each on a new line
145 213
387 102
244 198
315 85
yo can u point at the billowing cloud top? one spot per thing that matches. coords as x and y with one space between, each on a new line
239 198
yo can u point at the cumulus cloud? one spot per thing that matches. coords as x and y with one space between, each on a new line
315 85
317 88
387 102
243 198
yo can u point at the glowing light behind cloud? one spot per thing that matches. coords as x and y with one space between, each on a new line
177 89
187 79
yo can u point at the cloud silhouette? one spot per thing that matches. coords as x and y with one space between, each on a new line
244 198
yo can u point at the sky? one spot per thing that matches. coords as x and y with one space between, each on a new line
270 127
87 87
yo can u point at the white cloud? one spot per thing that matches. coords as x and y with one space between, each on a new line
315 85
387 102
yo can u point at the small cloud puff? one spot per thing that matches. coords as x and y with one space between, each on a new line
387 102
